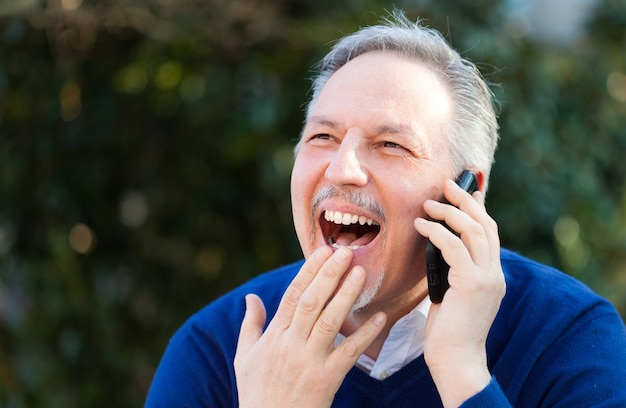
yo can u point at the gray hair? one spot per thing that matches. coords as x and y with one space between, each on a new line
473 134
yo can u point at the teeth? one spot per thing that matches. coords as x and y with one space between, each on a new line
335 245
347 219
337 219
351 247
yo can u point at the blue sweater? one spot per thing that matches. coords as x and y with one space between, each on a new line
554 343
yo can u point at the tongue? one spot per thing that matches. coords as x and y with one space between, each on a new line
351 239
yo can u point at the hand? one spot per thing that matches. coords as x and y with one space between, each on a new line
456 329
294 362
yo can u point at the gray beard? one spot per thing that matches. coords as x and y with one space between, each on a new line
368 294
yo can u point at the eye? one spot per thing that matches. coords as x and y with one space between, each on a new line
394 149
392 145
320 139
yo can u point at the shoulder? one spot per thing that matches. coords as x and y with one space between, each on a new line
554 339
196 368
542 283
542 298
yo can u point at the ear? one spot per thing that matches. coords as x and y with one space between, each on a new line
480 179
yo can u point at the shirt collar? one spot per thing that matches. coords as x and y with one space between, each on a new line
404 343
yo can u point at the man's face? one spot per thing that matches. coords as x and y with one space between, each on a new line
373 150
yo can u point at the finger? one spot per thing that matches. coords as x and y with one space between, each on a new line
329 323
289 302
474 206
464 273
317 295
472 234
252 324
453 249
491 227
470 220
348 351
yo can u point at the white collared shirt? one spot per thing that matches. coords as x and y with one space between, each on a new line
404 343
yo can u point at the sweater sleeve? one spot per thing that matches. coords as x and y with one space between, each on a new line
584 367
195 371
490 397
555 343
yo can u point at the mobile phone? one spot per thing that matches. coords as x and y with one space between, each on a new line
436 267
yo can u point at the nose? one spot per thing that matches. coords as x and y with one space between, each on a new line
347 165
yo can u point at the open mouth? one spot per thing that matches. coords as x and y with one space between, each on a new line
348 230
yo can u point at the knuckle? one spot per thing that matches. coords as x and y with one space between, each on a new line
237 363
454 242
327 324
493 225
501 282
329 271
292 296
308 302
478 229
349 349
491 282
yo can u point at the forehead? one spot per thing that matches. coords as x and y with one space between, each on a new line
385 89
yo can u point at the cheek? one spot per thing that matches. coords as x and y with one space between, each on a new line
404 203
407 196
299 184
301 196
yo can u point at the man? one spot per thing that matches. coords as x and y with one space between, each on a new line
395 116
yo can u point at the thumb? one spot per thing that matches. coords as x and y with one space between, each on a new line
252 324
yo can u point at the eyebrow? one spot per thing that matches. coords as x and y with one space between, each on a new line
396 128
321 120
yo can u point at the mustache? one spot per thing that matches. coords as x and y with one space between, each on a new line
355 198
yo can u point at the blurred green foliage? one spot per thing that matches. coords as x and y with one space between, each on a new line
145 153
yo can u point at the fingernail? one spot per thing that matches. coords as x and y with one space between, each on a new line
379 319
431 203
342 254
356 274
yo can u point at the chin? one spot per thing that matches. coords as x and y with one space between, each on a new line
368 294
